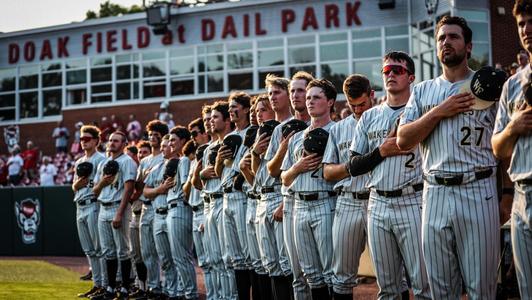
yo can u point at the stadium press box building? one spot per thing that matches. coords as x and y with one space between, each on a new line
85 70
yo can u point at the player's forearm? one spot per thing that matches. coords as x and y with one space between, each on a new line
288 176
129 186
97 189
255 162
411 134
186 189
248 175
219 167
274 165
362 164
150 192
334 172
503 144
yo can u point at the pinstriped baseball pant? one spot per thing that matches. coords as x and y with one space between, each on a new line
251 233
522 239
162 244
198 237
179 222
270 236
313 236
87 224
215 233
114 241
461 239
147 247
349 240
394 238
299 285
236 246
134 236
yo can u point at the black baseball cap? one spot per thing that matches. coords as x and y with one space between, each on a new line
486 86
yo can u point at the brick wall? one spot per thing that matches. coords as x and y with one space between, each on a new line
504 37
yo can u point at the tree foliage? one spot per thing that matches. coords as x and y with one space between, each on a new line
108 9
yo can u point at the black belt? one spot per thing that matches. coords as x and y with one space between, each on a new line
458 179
87 202
161 211
147 202
252 195
215 196
197 208
107 204
359 196
228 189
267 189
398 193
314 196
524 182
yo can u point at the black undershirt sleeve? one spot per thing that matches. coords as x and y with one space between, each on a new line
363 163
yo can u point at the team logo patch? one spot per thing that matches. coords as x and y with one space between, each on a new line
28 214
431 6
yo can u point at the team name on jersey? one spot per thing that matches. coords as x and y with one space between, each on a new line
378 134
344 145
428 107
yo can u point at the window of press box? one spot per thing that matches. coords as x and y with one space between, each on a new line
52 102
182 86
7 79
101 74
101 93
301 55
29 105
127 90
28 77
336 73
7 107
372 69
180 66
264 73
240 81
479 56
76 76
154 69
154 88
270 57
52 79
337 51
311 69
76 95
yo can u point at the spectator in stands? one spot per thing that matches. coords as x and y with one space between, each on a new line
61 135
513 68
3 172
134 130
31 156
47 172
76 146
14 166
116 124
522 60
106 129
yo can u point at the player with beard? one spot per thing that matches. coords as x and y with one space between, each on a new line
236 255
461 211
275 155
221 126
114 192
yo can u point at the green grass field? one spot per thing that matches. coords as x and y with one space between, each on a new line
31 279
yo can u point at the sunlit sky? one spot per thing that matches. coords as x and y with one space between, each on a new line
18 15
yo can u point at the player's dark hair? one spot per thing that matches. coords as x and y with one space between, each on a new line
221 107
144 144
274 80
206 109
241 98
133 149
522 7
302 75
401 56
197 123
157 126
355 85
448 20
189 148
181 132
92 130
327 87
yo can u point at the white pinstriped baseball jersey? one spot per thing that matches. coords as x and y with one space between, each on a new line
337 151
126 172
459 144
145 166
311 181
511 99
154 179
86 193
194 199
229 172
213 185
394 172
176 192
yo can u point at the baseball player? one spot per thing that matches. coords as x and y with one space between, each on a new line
156 130
220 126
156 188
114 187
395 182
350 219
275 155
512 140
460 212
234 201
143 150
179 217
87 208
195 199
269 210
314 197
